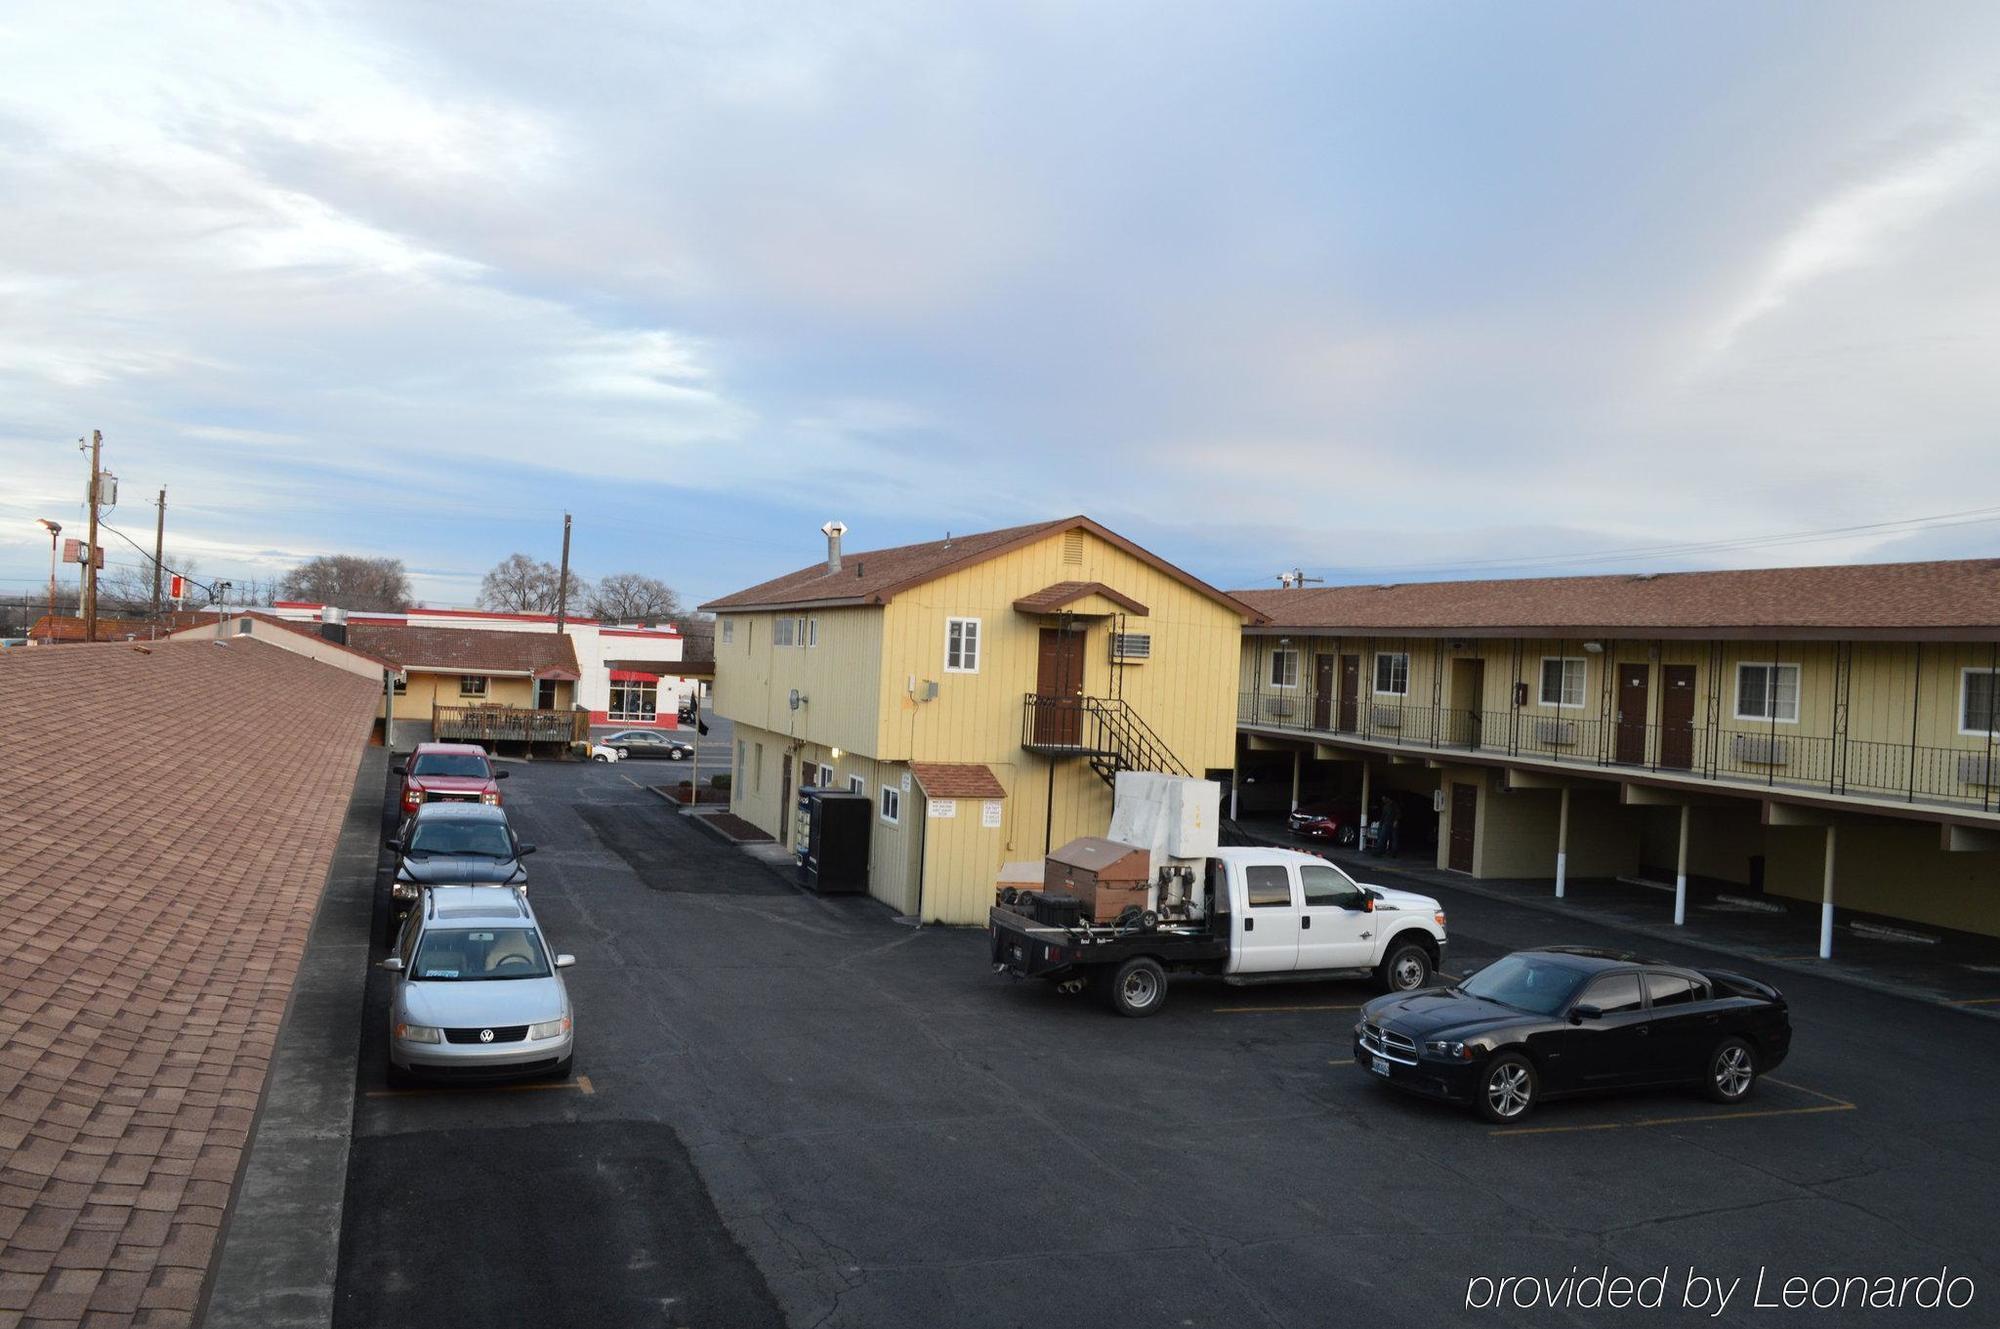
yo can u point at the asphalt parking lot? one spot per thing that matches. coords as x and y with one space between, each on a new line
794 1110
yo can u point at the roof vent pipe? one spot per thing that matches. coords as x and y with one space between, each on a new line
333 625
833 530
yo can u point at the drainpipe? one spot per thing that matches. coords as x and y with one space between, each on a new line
1681 868
1562 843
1826 899
1361 835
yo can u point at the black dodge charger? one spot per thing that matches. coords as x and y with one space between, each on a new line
1547 1023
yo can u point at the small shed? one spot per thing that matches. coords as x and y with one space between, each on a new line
1106 876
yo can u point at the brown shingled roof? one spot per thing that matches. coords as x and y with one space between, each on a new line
466 650
957 779
874 576
1957 599
159 892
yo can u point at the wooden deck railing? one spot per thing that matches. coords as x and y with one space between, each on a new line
507 724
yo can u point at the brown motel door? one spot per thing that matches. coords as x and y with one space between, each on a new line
1323 691
1464 818
1059 684
1350 692
1632 709
1677 716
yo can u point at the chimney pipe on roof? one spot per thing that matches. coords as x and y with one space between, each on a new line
833 531
333 625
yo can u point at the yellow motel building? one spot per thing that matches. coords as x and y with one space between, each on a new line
1819 734
982 690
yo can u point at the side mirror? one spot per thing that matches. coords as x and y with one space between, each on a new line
523 850
565 961
1582 1011
393 963
396 845
501 775
399 770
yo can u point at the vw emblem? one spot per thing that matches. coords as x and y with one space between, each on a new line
486 1035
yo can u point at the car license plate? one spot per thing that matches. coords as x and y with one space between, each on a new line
1379 1065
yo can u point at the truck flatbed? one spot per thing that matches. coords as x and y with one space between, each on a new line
1029 948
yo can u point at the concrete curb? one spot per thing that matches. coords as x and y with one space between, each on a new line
280 1245
1664 935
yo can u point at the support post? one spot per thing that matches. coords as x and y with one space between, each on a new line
388 711
159 549
1298 764
1826 899
1562 844
1361 834
1235 782
1681 868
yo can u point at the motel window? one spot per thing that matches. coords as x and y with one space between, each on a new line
1562 681
401 685
1284 669
784 631
856 785
757 771
1392 673
1979 702
961 645
728 631
1767 692
812 632
892 804
472 685
635 701
736 776
826 777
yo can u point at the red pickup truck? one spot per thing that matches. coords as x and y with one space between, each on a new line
449 773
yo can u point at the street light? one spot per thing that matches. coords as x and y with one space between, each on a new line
54 528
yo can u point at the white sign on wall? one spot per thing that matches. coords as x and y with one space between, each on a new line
942 808
989 813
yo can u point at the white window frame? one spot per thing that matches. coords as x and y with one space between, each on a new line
891 805
624 691
1964 685
856 785
812 632
1770 691
968 662
757 772
400 685
784 631
825 776
465 688
1562 685
1275 676
728 631
1381 691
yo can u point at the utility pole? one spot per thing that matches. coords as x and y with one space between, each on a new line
159 551
90 552
562 579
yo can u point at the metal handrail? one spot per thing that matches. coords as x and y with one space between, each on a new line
1098 727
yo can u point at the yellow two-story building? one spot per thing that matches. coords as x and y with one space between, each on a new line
981 690
1823 734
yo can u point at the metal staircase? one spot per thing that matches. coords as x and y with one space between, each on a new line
1104 730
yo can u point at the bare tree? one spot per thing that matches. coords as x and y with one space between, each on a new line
520 585
349 582
128 588
627 596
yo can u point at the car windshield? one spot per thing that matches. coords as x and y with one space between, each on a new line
451 763
479 839
464 955
1527 983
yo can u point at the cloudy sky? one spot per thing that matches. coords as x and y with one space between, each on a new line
1382 290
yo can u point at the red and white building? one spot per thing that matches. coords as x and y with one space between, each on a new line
628 677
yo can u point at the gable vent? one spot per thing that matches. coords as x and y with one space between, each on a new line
1073 548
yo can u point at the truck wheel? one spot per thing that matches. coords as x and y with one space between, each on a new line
1138 989
1507 1090
1405 968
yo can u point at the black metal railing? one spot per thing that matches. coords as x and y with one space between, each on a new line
1742 752
1105 729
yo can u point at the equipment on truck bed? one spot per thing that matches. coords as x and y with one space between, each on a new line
1108 877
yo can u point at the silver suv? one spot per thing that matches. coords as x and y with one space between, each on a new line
477 992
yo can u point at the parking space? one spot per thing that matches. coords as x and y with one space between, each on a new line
795 1110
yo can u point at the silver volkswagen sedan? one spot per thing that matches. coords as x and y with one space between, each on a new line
477 992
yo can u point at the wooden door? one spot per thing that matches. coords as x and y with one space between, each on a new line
1677 716
1323 666
1633 708
1464 821
1350 692
1059 688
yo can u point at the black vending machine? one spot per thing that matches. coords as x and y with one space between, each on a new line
832 840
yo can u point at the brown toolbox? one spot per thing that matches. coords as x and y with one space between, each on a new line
1108 877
